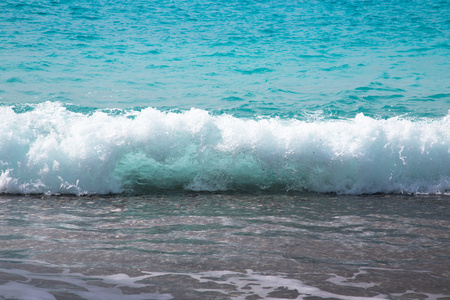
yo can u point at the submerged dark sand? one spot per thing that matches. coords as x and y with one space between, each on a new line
225 246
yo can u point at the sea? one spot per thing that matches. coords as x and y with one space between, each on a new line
239 149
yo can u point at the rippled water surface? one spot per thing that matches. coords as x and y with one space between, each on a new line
247 58
219 246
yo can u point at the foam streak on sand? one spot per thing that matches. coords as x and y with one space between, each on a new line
50 149
237 285
228 283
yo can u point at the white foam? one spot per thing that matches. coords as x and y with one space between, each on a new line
245 284
53 150
263 284
78 284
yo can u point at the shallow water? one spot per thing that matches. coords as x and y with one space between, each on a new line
225 246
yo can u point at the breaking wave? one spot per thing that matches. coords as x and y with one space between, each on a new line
50 149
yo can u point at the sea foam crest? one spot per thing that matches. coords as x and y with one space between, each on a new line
52 150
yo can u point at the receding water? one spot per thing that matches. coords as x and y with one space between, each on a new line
225 246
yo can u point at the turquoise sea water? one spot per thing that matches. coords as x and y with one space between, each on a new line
224 149
136 96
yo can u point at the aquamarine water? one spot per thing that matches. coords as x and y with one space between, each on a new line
224 149
269 58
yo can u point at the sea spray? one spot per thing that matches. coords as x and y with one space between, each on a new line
53 150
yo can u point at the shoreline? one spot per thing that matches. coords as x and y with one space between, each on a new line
208 246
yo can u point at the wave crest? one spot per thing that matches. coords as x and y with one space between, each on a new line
52 150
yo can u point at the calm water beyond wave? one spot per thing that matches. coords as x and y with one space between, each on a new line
225 149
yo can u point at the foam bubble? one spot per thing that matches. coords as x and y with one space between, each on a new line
52 150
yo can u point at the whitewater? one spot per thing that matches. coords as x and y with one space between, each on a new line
49 149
